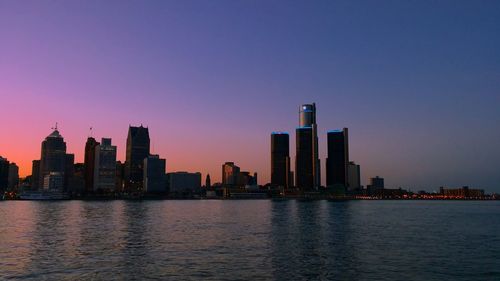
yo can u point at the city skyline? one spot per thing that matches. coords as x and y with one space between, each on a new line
421 102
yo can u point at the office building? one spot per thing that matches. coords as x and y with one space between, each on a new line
307 164
338 158
89 163
208 183
119 179
105 166
376 185
280 160
245 178
13 176
137 149
77 181
35 175
154 174
53 161
182 182
4 175
354 176
230 173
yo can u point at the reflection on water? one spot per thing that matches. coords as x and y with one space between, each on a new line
249 240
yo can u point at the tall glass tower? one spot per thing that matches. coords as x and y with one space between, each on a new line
137 150
280 159
307 165
338 158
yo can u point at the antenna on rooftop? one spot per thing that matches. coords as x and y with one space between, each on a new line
91 133
55 127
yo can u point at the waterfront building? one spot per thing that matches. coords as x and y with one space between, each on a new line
54 162
280 159
35 175
375 186
354 176
119 179
13 176
463 192
307 164
180 182
245 178
230 173
338 158
77 181
4 175
207 182
137 149
105 166
154 174
89 162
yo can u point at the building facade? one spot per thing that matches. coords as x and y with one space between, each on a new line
280 160
354 176
13 176
4 175
89 162
307 163
155 180
35 175
105 166
230 173
338 158
179 182
137 150
54 162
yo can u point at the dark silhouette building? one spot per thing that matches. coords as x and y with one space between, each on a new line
230 174
307 164
89 163
280 159
208 182
105 166
54 158
376 186
338 158
4 175
137 150
155 179
353 176
183 182
119 182
13 176
35 175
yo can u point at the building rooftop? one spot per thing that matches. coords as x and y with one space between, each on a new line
55 134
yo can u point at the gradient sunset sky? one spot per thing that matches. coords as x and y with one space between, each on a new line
416 82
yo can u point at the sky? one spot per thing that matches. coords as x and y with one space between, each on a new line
416 82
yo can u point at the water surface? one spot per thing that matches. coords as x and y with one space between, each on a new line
250 240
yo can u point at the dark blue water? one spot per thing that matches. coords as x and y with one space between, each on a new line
250 240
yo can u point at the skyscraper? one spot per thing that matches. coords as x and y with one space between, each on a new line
53 158
89 163
353 176
230 173
105 166
280 159
13 175
4 175
155 179
208 183
137 149
35 175
307 164
338 158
